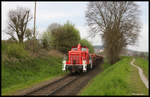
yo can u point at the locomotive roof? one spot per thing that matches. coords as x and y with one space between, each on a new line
79 46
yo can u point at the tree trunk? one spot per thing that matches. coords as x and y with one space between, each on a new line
21 40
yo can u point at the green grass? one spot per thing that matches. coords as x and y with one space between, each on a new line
143 63
14 50
119 79
16 75
20 70
105 65
29 84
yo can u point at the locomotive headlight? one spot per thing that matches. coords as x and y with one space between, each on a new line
84 66
64 65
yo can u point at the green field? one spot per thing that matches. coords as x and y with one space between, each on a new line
143 63
119 79
21 70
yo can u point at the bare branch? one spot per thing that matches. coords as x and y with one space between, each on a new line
116 22
18 20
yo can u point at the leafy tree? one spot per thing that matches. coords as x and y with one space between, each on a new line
46 37
53 26
116 22
64 37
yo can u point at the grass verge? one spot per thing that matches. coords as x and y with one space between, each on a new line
119 79
143 63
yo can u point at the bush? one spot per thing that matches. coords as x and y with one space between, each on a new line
16 50
86 43
46 40
32 45
55 53
4 46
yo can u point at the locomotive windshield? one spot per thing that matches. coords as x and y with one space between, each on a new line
75 49
83 49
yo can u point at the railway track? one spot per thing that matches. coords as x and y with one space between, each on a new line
53 87
68 85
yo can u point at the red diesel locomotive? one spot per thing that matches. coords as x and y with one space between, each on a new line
79 59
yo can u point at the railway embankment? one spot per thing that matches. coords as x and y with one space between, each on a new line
119 79
21 69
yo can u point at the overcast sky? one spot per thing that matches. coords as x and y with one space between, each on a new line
60 12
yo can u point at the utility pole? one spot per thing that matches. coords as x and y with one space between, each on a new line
34 18
34 38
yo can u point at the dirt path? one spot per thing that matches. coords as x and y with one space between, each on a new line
142 76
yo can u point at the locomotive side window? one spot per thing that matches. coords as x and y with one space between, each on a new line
83 49
75 49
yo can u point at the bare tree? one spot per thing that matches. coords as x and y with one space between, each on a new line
17 22
116 22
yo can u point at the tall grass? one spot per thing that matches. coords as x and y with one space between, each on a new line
17 72
15 50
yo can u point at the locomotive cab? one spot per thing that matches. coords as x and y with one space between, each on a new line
78 59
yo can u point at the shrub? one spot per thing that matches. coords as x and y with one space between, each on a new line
4 46
46 40
32 45
16 50
55 53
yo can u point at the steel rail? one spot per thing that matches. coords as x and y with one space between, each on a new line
54 82
63 86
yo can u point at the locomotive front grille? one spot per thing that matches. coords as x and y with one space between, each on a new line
75 59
